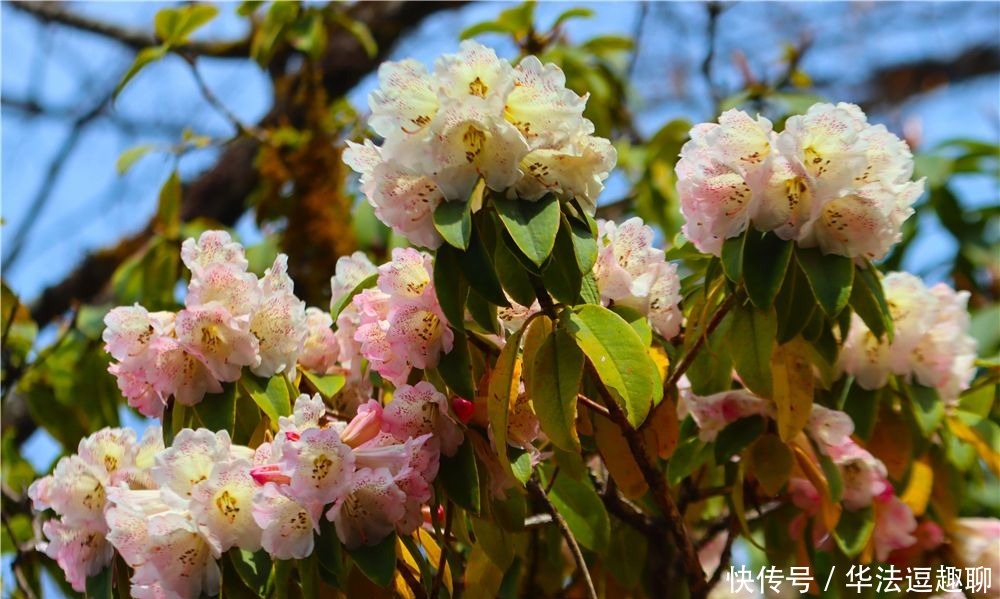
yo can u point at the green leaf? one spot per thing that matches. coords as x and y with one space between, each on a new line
503 388
484 27
345 300
132 155
175 25
854 529
483 313
736 436
604 44
456 369
452 290
927 407
270 395
793 385
453 220
732 255
862 406
830 278
769 256
308 34
377 562
360 31
751 356
144 58
253 568
589 292
557 370
99 585
794 306
330 555
562 275
495 541
868 301
513 276
770 461
573 13
459 475
217 411
617 355
584 236
578 503
832 473
520 464
479 271
532 225
327 385
168 209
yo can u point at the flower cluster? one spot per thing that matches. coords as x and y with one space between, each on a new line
231 319
829 179
397 325
171 512
864 477
518 128
632 273
931 343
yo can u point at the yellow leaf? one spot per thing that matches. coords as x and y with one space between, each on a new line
829 511
403 590
660 359
918 491
618 458
482 577
989 455
793 385
536 332
661 432
503 391
434 556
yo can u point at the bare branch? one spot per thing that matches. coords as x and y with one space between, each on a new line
574 547
55 12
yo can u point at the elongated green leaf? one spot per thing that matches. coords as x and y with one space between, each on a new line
754 332
142 59
927 407
562 275
578 503
513 276
485 27
99 585
132 155
253 568
377 562
455 368
557 369
793 387
736 436
832 473
532 225
794 306
451 288
330 555
862 406
478 269
770 461
175 25
853 530
495 541
503 388
830 278
217 411
342 302
617 355
584 235
459 475
573 13
270 395
769 256
453 220
868 301
732 255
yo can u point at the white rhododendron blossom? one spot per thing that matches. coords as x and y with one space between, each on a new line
631 272
829 180
231 320
475 116
931 345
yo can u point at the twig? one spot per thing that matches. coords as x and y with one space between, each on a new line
439 577
714 10
593 405
727 555
661 492
411 581
241 127
713 324
54 12
567 534
22 582
637 30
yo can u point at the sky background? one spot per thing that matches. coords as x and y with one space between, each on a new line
91 206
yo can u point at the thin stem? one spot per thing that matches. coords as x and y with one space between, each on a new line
661 492
688 359
219 106
567 534
727 555
412 582
593 405
439 577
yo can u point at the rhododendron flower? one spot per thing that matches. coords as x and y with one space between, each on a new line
632 273
370 509
306 413
236 290
213 247
974 542
894 527
864 476
319 465
365 425
420 409
81 551
321 348
713 413
829 427
931 343
829 179
222 342
222 506
288 525
278 322
191 458
475 117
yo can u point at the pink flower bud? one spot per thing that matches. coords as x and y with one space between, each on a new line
269 474
365 426
464 409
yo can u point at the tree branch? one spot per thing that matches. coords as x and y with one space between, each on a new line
574 547
54 12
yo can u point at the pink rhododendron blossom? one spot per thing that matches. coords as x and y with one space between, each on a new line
931 345
222 342
631 272
191 458
894 527
321 348
829 179
365 425
278 322
221 505
713 413
420 409
287 525
370 509
213 247
319 464
974 543
81 552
